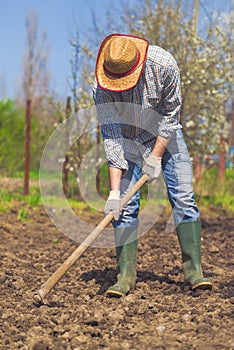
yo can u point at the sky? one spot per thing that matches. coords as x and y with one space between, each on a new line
58 18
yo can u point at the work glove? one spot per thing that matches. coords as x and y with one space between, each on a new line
152 167
113 204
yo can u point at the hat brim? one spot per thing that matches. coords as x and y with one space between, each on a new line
118 84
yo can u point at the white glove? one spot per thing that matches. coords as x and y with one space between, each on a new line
113 204
152 167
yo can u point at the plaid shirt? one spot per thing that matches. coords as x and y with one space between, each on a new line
131 120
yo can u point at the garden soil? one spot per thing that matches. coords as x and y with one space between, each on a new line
159 314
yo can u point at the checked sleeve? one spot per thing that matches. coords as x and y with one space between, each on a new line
171 102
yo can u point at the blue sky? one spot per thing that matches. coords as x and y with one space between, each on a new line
57 17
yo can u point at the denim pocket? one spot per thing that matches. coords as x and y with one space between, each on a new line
182 168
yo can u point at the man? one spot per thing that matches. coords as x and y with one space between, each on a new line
138 100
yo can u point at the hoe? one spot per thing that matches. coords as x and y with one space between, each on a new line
60 272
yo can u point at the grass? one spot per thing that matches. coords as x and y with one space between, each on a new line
7 198
22 214
34 174
215 194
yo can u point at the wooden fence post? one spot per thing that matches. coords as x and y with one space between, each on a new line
27 147
221 158
66 161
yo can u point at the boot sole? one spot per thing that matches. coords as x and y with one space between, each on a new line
117 293
205 285
114 294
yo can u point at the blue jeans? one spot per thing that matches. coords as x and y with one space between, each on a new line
177 172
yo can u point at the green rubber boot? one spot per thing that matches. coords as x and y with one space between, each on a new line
189 235
126 252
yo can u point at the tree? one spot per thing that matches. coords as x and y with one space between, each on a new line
76 121
203 50
35 76
12 126
34 84
204 60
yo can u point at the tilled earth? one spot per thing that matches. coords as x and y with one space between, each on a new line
76 314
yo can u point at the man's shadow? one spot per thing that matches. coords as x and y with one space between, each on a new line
107 277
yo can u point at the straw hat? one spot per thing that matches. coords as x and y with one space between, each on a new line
120 61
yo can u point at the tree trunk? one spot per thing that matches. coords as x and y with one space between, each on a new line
66 161
27 147
222 158
197 169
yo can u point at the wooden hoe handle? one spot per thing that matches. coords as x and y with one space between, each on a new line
58 274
